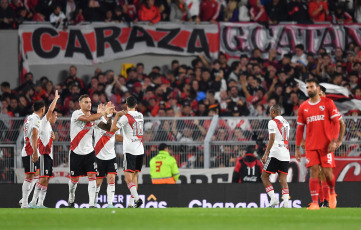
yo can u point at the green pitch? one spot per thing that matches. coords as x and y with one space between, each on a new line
180 218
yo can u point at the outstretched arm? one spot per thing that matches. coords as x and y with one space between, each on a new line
114 126
96 116
52 105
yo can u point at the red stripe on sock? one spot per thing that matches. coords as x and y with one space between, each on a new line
130 185
285 191
269 188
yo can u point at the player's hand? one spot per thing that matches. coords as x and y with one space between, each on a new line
53 135
264 158
35 157
111 106
303 144
57 95
332 146
298 154
100 108
108 110
338 144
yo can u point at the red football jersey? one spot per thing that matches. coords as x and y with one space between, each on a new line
317 117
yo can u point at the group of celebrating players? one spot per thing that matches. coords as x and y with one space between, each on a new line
325 130
95 162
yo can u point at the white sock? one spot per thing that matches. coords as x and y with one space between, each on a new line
42 195
26 190
72 188
133 190
270 192
131 201
92 188
285 195
96 195
110 193
36 193
33 183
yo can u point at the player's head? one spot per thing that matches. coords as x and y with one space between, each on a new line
131 102
322 91
39 108
275 111
312 87
85 102
54 117
163 147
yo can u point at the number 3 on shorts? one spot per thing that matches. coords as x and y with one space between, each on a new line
329 158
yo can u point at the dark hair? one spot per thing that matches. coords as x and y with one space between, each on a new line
131 102
163 146
83 96
314 80
140 64
175 61
38 105
323 88
250 149
276 108
5 84
300 46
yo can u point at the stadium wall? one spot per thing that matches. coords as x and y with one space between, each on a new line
191 196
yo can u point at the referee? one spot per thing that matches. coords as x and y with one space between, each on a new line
163 167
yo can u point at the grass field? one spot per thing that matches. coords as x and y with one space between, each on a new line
180 218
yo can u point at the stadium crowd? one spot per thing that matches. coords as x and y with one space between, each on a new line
15 12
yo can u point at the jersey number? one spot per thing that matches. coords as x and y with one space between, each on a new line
158 164
329 158
253 169
285 133
138 129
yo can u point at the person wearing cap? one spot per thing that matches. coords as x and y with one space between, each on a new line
163 167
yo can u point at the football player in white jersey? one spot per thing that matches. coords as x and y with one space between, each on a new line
82 156
277 156
30 150
133 149
105 156
45 148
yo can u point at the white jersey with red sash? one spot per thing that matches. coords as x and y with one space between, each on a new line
31 122
45 141
104 143
132 124
281 128
81 134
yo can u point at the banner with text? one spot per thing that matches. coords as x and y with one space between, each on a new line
241 38
101 42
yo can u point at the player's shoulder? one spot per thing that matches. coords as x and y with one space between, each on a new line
77 113
305 104
272 122
327 100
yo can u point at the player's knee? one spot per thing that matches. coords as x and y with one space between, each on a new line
111 179
265 176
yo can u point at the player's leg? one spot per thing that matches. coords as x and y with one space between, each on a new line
282 173
314 183
320 191
29 175
99 182
76 170
44 181
91 169
325 189
100 176
46 171
138 168
38 186
328 163
110 189
270 167
36 177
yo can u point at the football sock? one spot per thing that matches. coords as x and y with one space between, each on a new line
110 192
42 195
133 190
314 185
36 193
92 187
97 194
72 188
320 193
285 194
26 190
331 183
131 201
33 183
270 192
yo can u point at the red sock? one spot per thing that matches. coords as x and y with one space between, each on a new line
320 193
314 188
332 183
326 190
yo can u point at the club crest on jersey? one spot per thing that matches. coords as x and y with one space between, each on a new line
46 171
322 107
72 173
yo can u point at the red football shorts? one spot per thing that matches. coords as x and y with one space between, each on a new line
320 157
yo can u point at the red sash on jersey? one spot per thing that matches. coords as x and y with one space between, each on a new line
131 121
28 148
75 142
279 126
45 149
102 141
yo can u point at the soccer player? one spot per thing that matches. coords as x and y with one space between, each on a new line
277 156
105 157
133 149
322 120
45 147
82 156
30 150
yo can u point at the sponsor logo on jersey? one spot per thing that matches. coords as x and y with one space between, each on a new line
322 107
315 118
306 110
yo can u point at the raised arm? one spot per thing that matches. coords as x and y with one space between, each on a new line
96 116
52 105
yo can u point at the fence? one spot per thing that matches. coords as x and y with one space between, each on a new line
196 142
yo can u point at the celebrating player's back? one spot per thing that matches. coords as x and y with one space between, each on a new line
321 118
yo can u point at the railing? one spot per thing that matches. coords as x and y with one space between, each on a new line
195 142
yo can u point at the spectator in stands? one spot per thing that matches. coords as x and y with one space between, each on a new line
243 14
149 12
178 11
58 18
7 15
357 11
94 12
70 9
276 11
73 71
341 16
108 16
258 13
121 16
231 12
5 87
78 16
318 10
248 168
300 57
298 11
22 16
131 10
209 10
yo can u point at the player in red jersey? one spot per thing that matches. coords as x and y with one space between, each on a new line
322 121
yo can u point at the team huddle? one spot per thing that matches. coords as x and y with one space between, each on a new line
324 126
96 162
